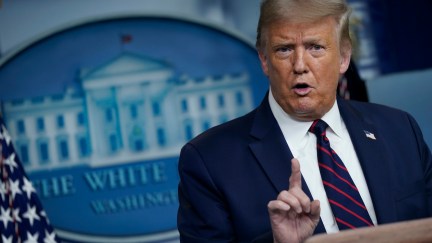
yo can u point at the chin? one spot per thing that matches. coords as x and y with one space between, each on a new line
303 115
307 113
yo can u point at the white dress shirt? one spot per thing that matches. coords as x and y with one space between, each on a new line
303 147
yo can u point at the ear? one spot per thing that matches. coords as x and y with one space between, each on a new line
345 59
263 59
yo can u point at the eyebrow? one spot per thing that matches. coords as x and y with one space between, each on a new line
313 40
290 42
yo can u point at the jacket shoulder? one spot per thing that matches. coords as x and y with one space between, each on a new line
375 111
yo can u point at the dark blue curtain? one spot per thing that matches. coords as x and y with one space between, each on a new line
403 33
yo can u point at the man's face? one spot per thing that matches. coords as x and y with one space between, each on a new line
303 62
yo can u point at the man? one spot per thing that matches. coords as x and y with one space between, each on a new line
262 176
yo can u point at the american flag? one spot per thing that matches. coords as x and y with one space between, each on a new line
22 217
351 86
126 38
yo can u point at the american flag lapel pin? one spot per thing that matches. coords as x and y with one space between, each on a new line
369 135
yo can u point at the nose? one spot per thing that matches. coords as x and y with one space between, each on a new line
299 62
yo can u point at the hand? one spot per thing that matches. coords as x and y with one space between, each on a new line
293 216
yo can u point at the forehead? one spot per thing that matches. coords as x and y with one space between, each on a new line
325 28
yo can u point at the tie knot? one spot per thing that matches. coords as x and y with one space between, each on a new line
318 127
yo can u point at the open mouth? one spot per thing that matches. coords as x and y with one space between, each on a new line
302 89
301 86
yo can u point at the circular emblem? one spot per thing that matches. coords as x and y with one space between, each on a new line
98 113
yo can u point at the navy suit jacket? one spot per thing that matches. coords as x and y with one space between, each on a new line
229 173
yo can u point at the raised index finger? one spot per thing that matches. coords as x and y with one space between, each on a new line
295 178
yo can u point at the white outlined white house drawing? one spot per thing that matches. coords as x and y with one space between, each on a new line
131 108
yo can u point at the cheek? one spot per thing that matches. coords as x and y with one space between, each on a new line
280 85
328 72
280 69
327 80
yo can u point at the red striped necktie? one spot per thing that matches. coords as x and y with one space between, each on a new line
344 198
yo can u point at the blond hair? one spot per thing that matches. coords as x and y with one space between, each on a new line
304 11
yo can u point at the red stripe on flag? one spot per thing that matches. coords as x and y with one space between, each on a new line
126 39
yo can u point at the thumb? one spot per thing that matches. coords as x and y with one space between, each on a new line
315 211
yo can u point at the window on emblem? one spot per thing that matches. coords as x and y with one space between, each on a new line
184 105
60 121
239 98
20 127
40 124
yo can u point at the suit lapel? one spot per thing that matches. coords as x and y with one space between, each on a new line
372 160
270 147
272 152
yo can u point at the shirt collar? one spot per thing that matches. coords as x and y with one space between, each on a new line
334 120
296 131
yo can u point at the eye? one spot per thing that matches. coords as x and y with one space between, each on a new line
283 49
316 50
316 47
